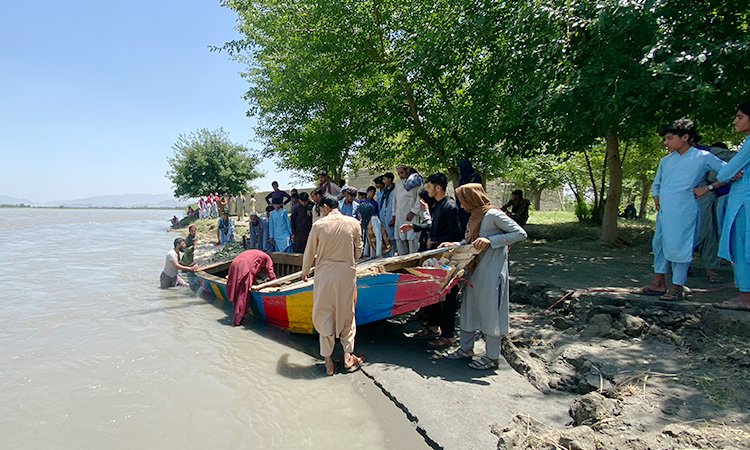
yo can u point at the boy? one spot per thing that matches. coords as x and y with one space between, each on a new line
677 220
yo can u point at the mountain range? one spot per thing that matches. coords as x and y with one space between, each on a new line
105 201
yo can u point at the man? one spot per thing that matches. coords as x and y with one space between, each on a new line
676 222
348 205
337 241
279 228
258 231
707 241
302 220
225 228
316 195
361 195
214 205
295 201
326 187
370 198
190 241
277 194
385 205
241 206
446 227
406 208
169 276
519 207
251 203
242 273
379 185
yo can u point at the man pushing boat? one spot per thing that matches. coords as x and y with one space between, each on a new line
242 273
337 241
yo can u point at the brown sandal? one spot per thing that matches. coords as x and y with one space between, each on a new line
672 296
441 341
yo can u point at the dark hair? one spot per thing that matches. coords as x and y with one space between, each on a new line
426 197
177 242
295 195
745 108
378 179
389 175
274 182
276 201
304 196
317 191
351 191
720 145
323 173
342 182
517 193
682 127
329 200
294 191
438 179
269 208
371 188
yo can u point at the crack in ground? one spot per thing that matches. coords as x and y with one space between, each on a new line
412 418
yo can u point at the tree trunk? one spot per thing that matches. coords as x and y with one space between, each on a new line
645 194
454 175
614 192
535 197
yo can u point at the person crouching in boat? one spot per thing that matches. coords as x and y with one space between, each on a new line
336 239
485 304
169 276
242 273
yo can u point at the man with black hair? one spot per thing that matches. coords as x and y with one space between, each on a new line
385 204
349 204
445 227
169 276
677 220
302 220
277 194
519 207
327 187
334 244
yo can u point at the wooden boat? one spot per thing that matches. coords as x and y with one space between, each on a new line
386 287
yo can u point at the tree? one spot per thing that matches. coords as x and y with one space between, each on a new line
207 161
534 174
428 82
629 66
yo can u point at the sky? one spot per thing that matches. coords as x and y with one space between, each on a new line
93 94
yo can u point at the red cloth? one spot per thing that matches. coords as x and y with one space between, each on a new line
242 273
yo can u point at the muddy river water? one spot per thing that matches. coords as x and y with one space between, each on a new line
94 355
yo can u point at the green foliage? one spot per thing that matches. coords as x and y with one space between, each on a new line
207 161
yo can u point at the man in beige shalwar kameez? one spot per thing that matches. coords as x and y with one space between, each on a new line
337 241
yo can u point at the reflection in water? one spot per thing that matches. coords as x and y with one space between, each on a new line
94 354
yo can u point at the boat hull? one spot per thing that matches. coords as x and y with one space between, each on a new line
379 296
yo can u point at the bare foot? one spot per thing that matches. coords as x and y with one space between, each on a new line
739 303
331 366
352 362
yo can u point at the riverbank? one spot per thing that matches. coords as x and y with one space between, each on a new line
600 369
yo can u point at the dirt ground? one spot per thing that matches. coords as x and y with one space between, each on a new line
649 374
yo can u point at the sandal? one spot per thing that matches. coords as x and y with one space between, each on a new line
357 365
647 290
483 363
733 305
426 333
458 354
672 296
714 278
441 342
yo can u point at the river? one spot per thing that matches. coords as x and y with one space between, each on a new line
94 355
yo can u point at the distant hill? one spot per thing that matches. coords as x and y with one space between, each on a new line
106 201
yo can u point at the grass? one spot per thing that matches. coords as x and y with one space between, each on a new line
562 229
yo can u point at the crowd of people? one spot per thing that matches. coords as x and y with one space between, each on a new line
700 193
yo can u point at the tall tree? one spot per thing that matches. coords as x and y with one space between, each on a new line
207 161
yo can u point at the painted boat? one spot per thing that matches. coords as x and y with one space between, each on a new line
386 287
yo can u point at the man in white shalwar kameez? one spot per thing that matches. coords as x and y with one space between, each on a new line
334 244
406 208
677 220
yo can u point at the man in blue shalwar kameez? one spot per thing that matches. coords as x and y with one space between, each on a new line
734 244
677 220
279 229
